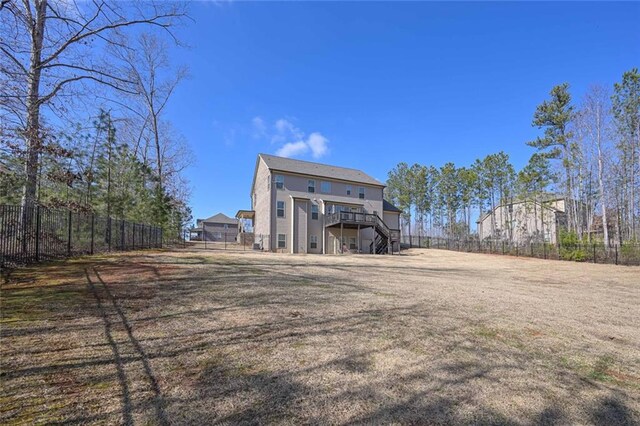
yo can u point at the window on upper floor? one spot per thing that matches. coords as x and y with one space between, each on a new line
361 192
279 181
311 185
325 187
349 189
314 211
280 209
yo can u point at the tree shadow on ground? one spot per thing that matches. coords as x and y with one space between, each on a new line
227 326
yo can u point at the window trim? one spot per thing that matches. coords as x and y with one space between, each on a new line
279 180
283 241
316 212
349 189
361 193
284 209
313 239
322 183
355 243
311 188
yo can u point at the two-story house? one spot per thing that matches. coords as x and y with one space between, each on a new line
219 227
522 221
304 207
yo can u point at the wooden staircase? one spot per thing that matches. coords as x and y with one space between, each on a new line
380 245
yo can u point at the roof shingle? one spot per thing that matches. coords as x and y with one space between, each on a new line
316 169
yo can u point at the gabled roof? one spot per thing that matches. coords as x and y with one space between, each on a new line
220 218
317 169
388 207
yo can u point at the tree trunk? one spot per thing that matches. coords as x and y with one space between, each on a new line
32 129
603 203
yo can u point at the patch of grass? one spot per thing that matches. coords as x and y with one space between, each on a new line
486 332
599 370
383 294
100 385
298 344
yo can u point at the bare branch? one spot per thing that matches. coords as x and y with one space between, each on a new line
46 98
81 36
14 60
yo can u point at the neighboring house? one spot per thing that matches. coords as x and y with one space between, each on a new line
524 221
219 227
304 207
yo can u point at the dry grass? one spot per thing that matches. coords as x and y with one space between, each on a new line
192 337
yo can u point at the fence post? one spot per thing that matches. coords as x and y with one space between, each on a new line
92 231
109 232
225 240
69 236
616 246
38 233
133 236
122 239
594 252
544 249
531 245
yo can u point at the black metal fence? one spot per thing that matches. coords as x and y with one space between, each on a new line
625 254
242 241
35 234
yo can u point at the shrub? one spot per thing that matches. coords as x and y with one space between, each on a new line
571 248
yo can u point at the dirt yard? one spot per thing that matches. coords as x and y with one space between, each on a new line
197 337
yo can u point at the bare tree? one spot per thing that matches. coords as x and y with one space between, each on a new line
595 119
48 49
155 80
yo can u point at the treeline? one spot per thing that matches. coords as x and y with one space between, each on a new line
83 92
588 153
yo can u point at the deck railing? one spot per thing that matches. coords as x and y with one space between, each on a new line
370 219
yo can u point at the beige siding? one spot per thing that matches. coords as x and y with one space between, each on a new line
300 226
262 205
525 221
314 227
217 231
297 186
392 219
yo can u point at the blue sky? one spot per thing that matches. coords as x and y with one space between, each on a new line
367 85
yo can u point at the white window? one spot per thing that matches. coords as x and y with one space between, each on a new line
325 187
279 181
314 211
282 240
217 235
349 189
352 243
280 209
311 186
361 192
226 226
313 241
